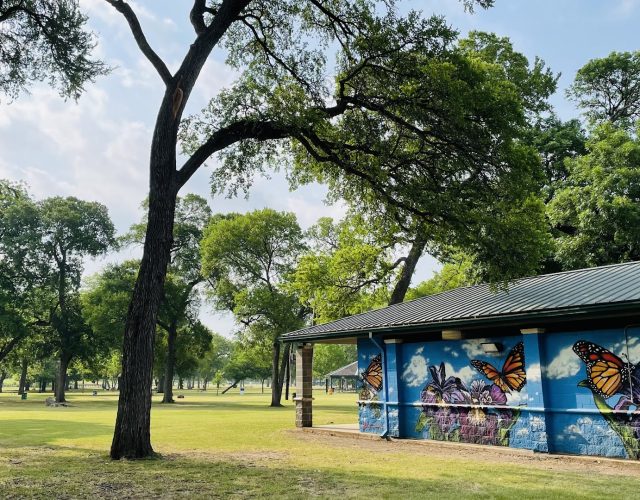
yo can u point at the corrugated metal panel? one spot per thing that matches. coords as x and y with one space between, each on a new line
351 370
598 286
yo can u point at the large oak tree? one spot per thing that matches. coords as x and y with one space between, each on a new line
347 88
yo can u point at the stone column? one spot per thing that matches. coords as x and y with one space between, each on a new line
304 385
536 405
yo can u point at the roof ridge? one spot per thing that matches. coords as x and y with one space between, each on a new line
516 280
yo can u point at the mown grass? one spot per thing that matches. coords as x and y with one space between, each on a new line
235 446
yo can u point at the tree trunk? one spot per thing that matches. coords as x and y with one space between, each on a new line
402 286
132 435
171 363
278 372
23 376
75 385
61 382
275 366
230 387
3 375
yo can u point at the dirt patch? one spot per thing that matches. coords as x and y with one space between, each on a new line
476 453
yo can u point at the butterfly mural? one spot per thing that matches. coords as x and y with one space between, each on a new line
607 373
372 378
473 411
373 374
512 377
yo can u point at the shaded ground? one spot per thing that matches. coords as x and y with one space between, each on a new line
236 447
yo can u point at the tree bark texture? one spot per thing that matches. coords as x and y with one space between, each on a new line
132 436
171 363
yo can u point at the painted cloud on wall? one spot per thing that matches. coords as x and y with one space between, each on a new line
565 364
466 373
415 371
473 347
534 373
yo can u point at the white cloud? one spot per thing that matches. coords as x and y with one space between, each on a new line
514 398
451 351
473 347
625 7
466 373
565 364
534 373
416 371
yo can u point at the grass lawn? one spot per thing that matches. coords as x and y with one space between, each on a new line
235 446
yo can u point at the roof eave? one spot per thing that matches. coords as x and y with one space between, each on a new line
564 314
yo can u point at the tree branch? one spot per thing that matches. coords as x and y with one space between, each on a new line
125 9
225 137
197 16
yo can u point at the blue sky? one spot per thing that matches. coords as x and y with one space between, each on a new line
97 148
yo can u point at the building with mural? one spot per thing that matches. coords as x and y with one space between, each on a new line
551 365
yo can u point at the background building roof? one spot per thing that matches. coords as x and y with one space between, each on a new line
582 293
350 370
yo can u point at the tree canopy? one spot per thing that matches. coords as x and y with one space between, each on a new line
596 210
608 89
248 260
46 40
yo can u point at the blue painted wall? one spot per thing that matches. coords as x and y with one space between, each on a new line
447 390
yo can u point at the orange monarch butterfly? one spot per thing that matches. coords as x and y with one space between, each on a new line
512 376
607 373
373 374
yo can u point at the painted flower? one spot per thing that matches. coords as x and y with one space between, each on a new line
454 412
498 397
443 389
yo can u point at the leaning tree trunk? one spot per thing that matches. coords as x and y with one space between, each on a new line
61 382
132 436
23 376
402 286
3 375
171 363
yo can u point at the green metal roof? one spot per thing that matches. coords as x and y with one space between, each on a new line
581 293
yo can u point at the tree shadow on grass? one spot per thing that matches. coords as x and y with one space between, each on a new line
40 472
38 432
